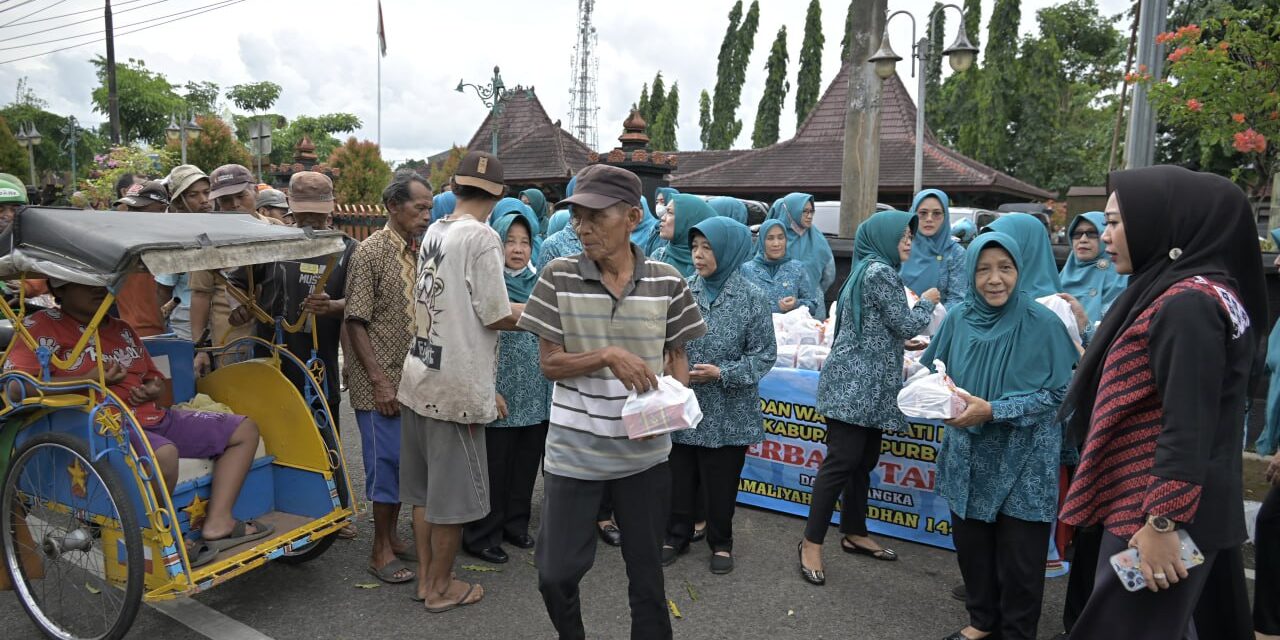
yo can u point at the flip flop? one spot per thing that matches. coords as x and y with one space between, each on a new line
239 537
460 602
389 570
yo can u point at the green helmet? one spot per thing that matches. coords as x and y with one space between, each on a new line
12 193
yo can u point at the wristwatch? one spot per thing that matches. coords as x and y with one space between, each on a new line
1161 524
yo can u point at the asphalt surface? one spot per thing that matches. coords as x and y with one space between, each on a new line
763 598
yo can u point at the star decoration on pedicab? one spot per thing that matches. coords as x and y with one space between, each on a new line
78 476
196 512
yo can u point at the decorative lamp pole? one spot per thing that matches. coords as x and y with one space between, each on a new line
491 95
30 138
960 55
181 133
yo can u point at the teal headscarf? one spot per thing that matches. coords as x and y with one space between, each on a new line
648 227
729 208
1269 441
690 211
442 205
808 246
538 202
876 241
1000 352
771 266
1037 271
730 241
924 269
1095 282
507 206
519 284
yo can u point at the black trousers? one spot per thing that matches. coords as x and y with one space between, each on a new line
1266 588
514 454
852 454
1084 565
1116 614
1002 563
567 547
709 476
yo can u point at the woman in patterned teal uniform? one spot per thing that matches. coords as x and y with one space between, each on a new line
785 282
859 384
937 260
514 443
998 468
727 365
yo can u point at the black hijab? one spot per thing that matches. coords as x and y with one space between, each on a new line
1178 223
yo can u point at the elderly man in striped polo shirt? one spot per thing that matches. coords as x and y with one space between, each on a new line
610 321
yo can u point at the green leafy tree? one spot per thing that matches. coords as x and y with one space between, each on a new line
809 79
147 100
776 86
662 131
214 147
704 119
362 174
13 158
1239 49
321 130
735 53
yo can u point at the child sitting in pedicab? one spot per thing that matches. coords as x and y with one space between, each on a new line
173 433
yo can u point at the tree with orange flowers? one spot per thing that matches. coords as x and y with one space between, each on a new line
1223 82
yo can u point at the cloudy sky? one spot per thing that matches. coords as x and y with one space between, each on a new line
323 52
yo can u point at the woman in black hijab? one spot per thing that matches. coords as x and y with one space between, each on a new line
1159 401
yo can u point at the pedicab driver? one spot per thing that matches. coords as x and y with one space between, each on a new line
173 433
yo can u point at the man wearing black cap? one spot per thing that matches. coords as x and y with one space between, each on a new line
608 319
447 389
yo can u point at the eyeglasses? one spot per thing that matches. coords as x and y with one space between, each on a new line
1092 235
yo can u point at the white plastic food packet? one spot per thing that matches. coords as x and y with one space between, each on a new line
932 397
670 407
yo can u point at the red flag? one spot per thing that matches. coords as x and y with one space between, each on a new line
382 32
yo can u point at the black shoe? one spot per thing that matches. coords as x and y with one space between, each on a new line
611 534
698 534
811 576
959 592
670 553
522 541
721 565
494 555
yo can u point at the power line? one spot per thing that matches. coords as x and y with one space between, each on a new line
33 13
101 32
75 13
37 55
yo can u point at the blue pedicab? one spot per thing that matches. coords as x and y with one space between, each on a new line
88 530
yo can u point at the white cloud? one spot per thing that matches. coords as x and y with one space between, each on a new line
323 53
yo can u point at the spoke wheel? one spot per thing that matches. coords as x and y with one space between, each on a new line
63 519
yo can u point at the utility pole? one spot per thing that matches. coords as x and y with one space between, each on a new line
1140 140
113 100
860 169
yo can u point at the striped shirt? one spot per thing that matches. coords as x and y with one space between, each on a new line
571 306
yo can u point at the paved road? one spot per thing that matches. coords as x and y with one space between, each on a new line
764 598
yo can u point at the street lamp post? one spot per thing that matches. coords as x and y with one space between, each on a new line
30 138
181 133
491 95
960 54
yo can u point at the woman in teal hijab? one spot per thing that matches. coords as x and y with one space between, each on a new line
508 206
538 203
730 208
646 236
784 281
726 367
442 205
998 468
684 212
1089 275
859 384
805 243
514 444
937 260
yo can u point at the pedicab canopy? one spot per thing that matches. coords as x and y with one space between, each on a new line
98 248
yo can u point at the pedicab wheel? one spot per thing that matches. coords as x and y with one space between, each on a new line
64 519
309 551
